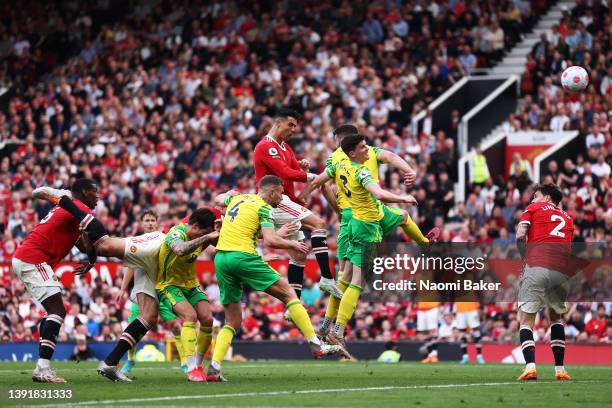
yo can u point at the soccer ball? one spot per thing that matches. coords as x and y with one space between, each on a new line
574 79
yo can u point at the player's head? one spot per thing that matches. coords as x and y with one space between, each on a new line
201 222
355 147
149 220
549 192
286 123
85 190
342 131
271 190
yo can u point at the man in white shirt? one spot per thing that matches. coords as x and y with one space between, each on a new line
560 121
601 168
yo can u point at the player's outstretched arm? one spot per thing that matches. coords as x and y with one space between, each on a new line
85 245
407 172
220 199
127 278
316 182
330 196
388 197
271 238
181 248
521 238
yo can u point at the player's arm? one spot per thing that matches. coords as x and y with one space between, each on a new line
85 245
125 282
280 168
271 237
364 177
330 196
181 247
317 182
407 172
223 199
522 229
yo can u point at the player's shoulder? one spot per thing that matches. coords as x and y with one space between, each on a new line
536 206
177 231
267 146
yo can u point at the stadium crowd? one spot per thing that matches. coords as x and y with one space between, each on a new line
163 104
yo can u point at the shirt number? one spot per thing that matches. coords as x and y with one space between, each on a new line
49 215
556 232
345 185
233 213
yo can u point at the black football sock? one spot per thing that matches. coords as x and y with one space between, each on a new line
41 324
51 329
464 345
557 342
527 344
318 238
295 276
476 338
87 222
129 338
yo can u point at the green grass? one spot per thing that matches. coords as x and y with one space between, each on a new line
323 384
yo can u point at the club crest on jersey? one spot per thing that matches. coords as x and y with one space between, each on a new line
273 152
133 249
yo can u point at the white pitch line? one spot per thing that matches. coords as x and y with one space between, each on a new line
300 392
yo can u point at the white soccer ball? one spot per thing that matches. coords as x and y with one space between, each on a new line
574 79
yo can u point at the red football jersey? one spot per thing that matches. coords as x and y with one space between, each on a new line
279 160
552 231
53 238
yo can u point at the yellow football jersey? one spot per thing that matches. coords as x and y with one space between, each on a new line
244 217
173 269
371 164
354 178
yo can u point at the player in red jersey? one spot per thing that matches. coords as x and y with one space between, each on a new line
48 243
274 156
544 236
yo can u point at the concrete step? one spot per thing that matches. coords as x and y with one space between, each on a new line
513 60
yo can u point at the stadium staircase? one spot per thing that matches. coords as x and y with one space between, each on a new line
514 61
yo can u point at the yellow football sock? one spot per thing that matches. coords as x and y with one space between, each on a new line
413 231
204 339
179 347
132 353
299 316
188 338
223 342
332 306
348 304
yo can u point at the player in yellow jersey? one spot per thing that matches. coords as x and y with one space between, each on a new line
237 262
392 216
178 289
364 196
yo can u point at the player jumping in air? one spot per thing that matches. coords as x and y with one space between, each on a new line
274 156
237 263
364 196
139 253
392 216
544 235
33 262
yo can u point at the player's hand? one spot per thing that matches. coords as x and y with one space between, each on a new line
83 268
305 164
213 236
120 296
300 247
408 199
409 178
310 177
288 229
233 192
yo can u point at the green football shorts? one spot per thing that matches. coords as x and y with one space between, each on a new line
392 218
234 268
343 234
171 295
134 311
364 235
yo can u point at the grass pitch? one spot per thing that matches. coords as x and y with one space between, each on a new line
321 384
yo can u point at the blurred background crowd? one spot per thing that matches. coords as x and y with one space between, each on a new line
163 102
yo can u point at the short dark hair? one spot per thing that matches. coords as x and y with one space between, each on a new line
345 130
349 143
284 113
148 212
203 217
83 184
550 189
270 180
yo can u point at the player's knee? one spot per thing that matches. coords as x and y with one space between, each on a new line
298 257
176 327
206 320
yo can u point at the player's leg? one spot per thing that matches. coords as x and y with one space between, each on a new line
527 321
204 313
475 334
283 292
531 299
295 272
557 342
130 337
131 361
464 344
176 326
40 283
394 217
318 240
233 321
185 311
